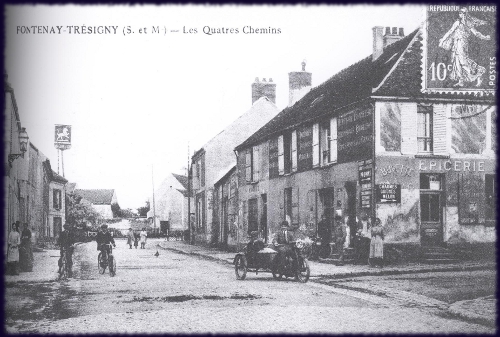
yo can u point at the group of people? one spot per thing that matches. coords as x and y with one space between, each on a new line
135 238
19 250
368 240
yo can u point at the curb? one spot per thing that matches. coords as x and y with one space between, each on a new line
207 257
456 309
402 271
487 266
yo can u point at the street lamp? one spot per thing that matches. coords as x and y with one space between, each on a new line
23 139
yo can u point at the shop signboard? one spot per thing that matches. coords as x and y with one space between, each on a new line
388 193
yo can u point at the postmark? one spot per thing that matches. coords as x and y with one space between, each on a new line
459 49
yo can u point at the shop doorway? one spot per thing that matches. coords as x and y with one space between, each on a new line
431 210
263 218
350 187
225 222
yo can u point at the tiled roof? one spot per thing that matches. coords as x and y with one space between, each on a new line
182 179
56 177
356 83
97 197
349 86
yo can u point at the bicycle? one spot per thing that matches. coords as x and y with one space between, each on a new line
104 261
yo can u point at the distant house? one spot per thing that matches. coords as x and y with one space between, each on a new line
100 199
171 204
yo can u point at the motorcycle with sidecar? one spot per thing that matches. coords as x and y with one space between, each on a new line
255 257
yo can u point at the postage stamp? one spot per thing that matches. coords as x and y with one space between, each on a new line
459 49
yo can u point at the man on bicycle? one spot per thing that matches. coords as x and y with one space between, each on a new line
104 238
66 243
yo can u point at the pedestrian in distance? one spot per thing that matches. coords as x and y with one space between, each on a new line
377 244
130 237
13 243
144 235
25 250
340 237
136 239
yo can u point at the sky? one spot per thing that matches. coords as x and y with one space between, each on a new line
140 102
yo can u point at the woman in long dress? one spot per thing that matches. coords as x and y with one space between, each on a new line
25 250
377 244
464 69
130 237
13 242
144 235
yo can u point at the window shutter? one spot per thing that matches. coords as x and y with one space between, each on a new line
294 150
409 128
295 206
311 208
196 182
333 139
281 200
248 165
281 158
315 154
255 163
439 139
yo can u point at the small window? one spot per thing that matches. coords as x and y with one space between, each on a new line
424 129
431 182
57 199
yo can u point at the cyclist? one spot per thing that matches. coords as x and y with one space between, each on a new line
103 239
66 243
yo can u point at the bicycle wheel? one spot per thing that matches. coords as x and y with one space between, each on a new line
112 266
101 264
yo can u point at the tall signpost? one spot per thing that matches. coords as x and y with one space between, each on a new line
62 141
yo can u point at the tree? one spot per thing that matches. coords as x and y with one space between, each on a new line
143 211
115 208
79 214
127 213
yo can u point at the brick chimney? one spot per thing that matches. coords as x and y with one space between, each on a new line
299 84
381 40
264 88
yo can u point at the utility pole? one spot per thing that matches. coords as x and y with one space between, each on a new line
189 200
154 209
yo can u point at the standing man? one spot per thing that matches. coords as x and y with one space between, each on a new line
340 236
66 243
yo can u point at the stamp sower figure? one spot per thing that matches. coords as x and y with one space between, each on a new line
66 241
340 236
457 40
377 243
14 241
25 250
283 241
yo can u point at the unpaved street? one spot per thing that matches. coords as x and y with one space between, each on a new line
180 293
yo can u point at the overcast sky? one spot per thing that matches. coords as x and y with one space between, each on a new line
135 101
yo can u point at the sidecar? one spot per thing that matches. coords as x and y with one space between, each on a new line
261 260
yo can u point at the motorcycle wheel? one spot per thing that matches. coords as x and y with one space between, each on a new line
307 251
325 251
303 272
240 268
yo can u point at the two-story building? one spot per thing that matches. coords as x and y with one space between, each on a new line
370 142
100 199
216 156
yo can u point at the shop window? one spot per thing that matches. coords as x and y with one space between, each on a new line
431 182
490 193
328 141
424 129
